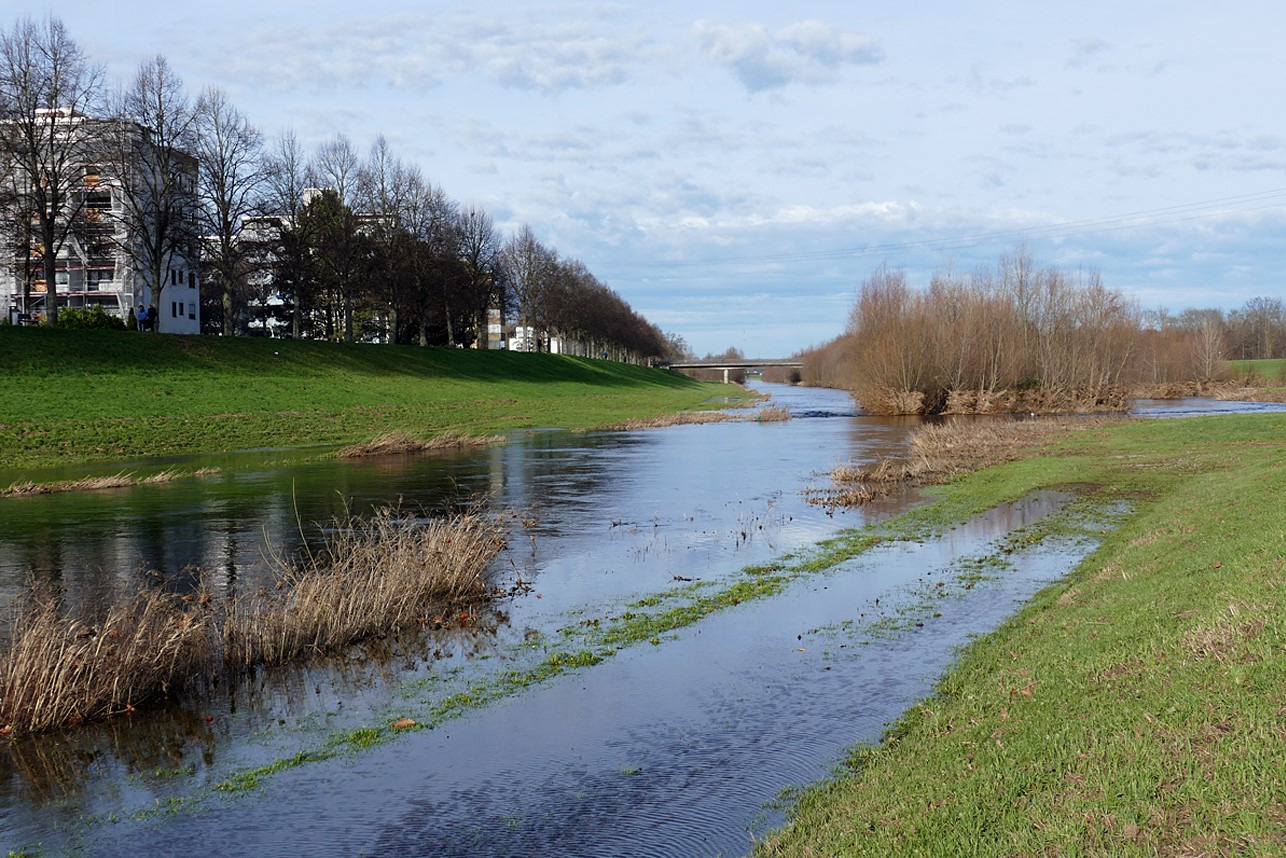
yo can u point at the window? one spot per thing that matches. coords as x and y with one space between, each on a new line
174 310
192 311
191 279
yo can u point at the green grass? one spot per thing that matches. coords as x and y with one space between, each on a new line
1135 708
78 396
1273 370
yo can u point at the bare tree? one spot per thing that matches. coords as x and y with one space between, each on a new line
287 194
157 172
530 267
229 153
48 92
336 166
480 252
385 189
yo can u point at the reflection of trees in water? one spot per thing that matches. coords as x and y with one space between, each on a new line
168 744
44 769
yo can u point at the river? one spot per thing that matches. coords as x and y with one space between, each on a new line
681 746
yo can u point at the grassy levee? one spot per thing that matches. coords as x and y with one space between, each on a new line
1270 370
95 395
1135 708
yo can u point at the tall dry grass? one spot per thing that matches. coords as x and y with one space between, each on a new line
111 481
373 576
60 670
395 443
937 452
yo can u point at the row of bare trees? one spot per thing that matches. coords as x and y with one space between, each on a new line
327 244
1021 336
1056 340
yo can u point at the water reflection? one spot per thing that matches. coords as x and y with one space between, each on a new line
601 518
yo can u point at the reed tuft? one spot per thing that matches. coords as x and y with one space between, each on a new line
394 443
372 577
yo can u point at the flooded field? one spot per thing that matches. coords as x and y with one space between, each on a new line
678 745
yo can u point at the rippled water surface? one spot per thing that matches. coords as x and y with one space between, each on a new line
676 747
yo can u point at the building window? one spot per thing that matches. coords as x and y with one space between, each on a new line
192 311
174 310
191 279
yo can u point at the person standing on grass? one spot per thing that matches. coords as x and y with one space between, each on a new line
151 318
142 318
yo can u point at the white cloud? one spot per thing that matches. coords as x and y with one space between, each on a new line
804 52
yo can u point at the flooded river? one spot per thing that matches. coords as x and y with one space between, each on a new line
677 746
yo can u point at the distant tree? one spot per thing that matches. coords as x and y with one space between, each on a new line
229 153
531 268
339 257
384 194
479 248
47 89
156 168
287 191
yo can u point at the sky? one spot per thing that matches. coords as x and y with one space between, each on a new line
735 170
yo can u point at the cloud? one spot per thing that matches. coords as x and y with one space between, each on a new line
1084 50
417 52
805 52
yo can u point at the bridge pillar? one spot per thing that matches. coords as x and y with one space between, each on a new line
725 375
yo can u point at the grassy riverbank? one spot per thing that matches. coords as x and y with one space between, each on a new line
79 396
1133 709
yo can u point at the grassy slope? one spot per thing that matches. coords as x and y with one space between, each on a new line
1134 709
84 395
1273 370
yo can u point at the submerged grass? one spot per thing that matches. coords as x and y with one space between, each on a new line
399 443
1132 709
111 481
374 576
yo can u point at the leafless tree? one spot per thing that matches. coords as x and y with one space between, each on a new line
48 92
384 193
157 171
530 267
336 166
479 246
287 181
229 153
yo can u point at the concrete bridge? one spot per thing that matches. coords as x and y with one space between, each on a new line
728 365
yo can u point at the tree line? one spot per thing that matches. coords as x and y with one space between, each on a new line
328 243
1021 336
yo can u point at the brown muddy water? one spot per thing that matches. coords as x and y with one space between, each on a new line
682 745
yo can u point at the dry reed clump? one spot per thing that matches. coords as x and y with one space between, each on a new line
400 443
772 414
61 670
373 576
112 481
683 418
940 451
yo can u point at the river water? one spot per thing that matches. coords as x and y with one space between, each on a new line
676 747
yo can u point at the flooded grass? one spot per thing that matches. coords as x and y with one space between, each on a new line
772 414
938 452
373 576
112 481
399 443
1127 709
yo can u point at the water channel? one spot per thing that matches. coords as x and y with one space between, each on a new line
680 746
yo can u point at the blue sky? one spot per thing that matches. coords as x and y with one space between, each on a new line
735 170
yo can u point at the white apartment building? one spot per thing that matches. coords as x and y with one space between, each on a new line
95 265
